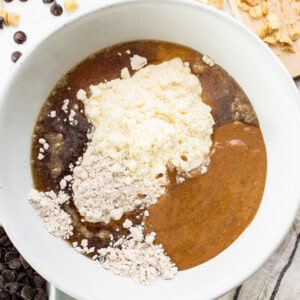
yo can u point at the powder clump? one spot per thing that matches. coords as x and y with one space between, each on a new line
48 205
137 257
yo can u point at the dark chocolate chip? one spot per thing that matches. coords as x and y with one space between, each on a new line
8 275
15 56
4 295
3 240
23 0
7 243
20 287
17 279
48 1
20 276
15 264
56 9
1 22
2 232
11 287
29 272
40 295
24 262
20 37
9 256
2 267
8 0
2 282
27 293
38 281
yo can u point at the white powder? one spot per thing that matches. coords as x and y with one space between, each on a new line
41 156
137 62
81 95
208 60
65 106
125 73
52 114
152 120
48 205
127 223
104 190
137 257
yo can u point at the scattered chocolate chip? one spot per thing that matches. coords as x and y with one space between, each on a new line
2 232
20 276
4 295
48 1
7 243
40 294
1 22
2 267
56 9
20 37
38 281
27 293
15 264
17 279
23 0
29 273
3 240
24 262
9 256
8 275
8 0
11 287
2 282
15 56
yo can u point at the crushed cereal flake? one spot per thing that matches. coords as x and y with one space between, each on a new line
70 5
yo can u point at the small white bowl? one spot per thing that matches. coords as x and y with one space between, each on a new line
242 54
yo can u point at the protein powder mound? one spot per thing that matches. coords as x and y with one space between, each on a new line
104 190
48 205
154 120
137 257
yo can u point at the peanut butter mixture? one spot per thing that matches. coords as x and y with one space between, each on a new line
201 217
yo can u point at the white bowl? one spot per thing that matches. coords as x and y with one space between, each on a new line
231 45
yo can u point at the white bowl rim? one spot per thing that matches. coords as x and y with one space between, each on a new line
229 284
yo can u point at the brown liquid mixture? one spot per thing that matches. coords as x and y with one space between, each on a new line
196 220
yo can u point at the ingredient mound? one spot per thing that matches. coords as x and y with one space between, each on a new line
143 125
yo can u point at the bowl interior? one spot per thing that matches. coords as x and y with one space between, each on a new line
255 68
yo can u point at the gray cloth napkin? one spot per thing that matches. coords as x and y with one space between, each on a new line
279 277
